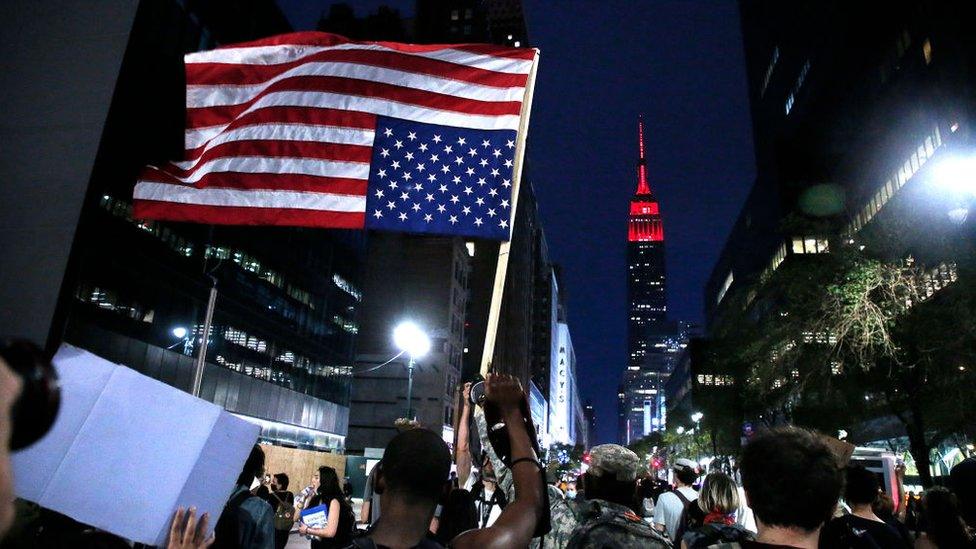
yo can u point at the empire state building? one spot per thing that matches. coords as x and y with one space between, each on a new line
641 395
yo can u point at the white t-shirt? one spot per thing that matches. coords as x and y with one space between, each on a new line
669 508
744 516
488 511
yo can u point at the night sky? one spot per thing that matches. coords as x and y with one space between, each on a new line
603 63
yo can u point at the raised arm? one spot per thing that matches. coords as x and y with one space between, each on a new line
516 524
462 452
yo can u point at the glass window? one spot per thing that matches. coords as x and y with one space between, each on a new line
810 245
798 245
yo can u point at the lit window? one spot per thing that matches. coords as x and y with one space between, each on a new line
455 15
927 51
769 70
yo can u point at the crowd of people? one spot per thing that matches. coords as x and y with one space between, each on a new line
790 489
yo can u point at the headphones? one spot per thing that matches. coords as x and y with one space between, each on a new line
36 408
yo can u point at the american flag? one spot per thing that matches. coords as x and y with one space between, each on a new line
312 129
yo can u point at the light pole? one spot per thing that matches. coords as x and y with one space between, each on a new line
696 418
410 339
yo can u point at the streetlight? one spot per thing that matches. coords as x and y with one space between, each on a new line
680 430
956 174
182 335
696 417
410 339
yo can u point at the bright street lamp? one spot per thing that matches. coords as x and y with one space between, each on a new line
680 430
697 416
179 332
956 174
410 339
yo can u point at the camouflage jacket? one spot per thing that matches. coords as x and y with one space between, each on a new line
566 514
605 525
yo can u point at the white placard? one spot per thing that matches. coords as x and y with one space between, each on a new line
127 450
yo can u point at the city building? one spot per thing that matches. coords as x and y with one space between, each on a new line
845 147
492 21
644 404
424 280
589 414
566 423
641 388
285 319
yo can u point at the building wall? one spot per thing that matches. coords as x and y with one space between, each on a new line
564 404
423 280
56 96
281 344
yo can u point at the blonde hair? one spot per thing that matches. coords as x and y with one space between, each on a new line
719 494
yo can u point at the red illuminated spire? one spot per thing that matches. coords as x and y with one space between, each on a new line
642 186
645 218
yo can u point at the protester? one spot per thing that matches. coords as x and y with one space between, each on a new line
301 500
884 507
605 516
10 388
792 482
369 513
459 515
283 503
415 468
671 506
862 527
247 521
338 529
489 499
944 524
187 530
717 505
962 482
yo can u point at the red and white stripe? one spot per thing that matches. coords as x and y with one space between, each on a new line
280 131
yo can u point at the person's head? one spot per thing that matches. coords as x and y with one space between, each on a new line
685 472
10 388
281 481
791 479
962 481
941 513
612 475
253 467
329 486
487 469
861 486
571 490
719 494
314 480
414 469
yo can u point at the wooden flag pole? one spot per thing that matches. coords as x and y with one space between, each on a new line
498 290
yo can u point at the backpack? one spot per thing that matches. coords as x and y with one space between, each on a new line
602 526
712 535
686 521
226 530
284 517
